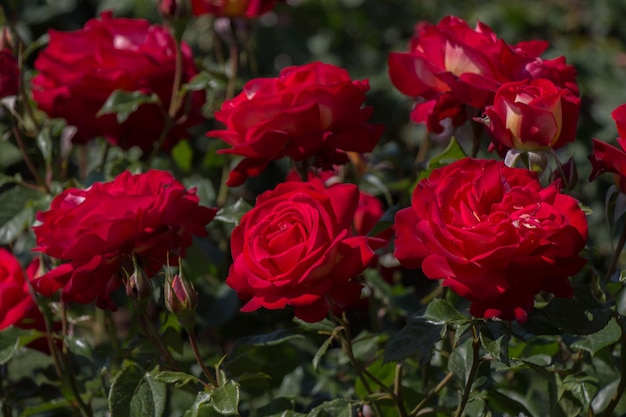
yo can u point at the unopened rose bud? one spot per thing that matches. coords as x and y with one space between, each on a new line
174 9
180 295
181 298
138 286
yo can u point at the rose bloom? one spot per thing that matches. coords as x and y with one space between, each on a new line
608 158
233 8
99 230
493 235
17 305
532 115
461 66
295 248
312 112
79 70
9 67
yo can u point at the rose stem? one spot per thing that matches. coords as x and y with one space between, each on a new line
196 354
432 393
616 254
346 343
153 336
29 162
472 374
608 411
234 67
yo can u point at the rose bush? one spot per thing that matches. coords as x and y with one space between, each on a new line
17 305
232 8
99 231
450 65
608 158
494 236
312 112
532 115
79 70
295 248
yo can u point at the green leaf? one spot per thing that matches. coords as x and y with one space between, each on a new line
9 343
9 154
47 408
280 406
202 406
232 214
325 326
16 212
269 339
225 399
385 373
124 103
135 393
418 337
566 315
322 351
592 343
440 311
583 388
450 154
461 360
507 403
79 346
334 408
182 154
179 379
494 337
203 81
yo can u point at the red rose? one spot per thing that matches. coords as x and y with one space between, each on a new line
100 229
295 248
450 65
17 306
9 67
607 158
493 234
313 111
532 115
79 70
233 8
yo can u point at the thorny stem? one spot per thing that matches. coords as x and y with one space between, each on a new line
29 162
472 374
196 354
621 388
346 343
432 393
616 254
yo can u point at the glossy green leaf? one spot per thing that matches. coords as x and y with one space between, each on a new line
202 407
453 152
418 338
583 388
225 399
324 326
9 343
135 393
592 343
334 408
232 214
384 372
270 339
566 315
440 311
123 103
322 351
16 212
178 379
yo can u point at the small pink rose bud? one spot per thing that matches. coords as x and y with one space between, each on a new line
180 295
138 286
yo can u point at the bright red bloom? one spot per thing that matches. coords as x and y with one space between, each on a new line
17 305
296 248
494 236
607 158
100 229
313 111
532 115
450 65
233 8
79 70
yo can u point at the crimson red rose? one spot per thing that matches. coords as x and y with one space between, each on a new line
17 306
313 111
233 8
100 229
532 115
9 67
295 248
79 70
607 158
450 65
494 236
